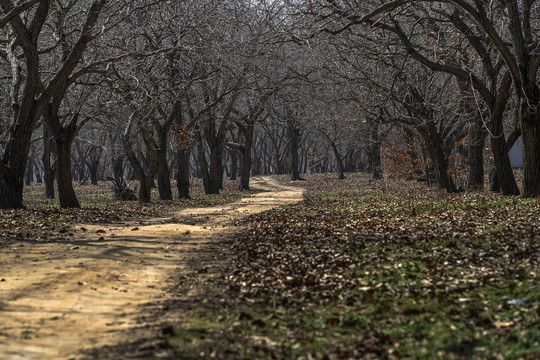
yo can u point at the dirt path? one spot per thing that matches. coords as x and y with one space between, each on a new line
58 299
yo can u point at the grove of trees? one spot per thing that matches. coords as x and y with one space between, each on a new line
150 90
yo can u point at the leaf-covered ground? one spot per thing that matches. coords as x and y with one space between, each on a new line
43 220
375 270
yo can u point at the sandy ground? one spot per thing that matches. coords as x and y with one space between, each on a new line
58 300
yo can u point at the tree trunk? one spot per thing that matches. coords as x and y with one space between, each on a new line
530 130
118 168
203 165
280 164
375 152
247 131
182 174
257 167
63 136
48 173
339 161
145 189
11 187
234 164
93 167
477 136
437 154
144 176
216 172
66 193
494 184
164 181
163 175
294 135
476 156
29 171
501 160
440 163
13 166
39 179
220 169
146 179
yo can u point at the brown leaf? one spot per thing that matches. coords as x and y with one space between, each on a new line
332 321
505 324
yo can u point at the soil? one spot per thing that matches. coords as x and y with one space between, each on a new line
69 299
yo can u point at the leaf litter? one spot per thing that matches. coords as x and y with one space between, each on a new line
43 220
384 269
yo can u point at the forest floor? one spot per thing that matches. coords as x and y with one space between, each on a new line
359 269
375 270
66 290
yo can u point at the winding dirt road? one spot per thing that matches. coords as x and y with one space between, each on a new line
58 300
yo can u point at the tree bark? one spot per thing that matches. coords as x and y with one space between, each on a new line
210 186
13 165
440 163
48 173
118 168
375 152
247 132
145 178
63 136
39 178
234 164
438 155
164 181
339 161
294 135
93 167
29 171
163 174
182 174
216 171
505 174
530 129
477 137
66 193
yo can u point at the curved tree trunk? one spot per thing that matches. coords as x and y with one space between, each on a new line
440 163
210 184
505 174
145 178
437 154
339 161
63 136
